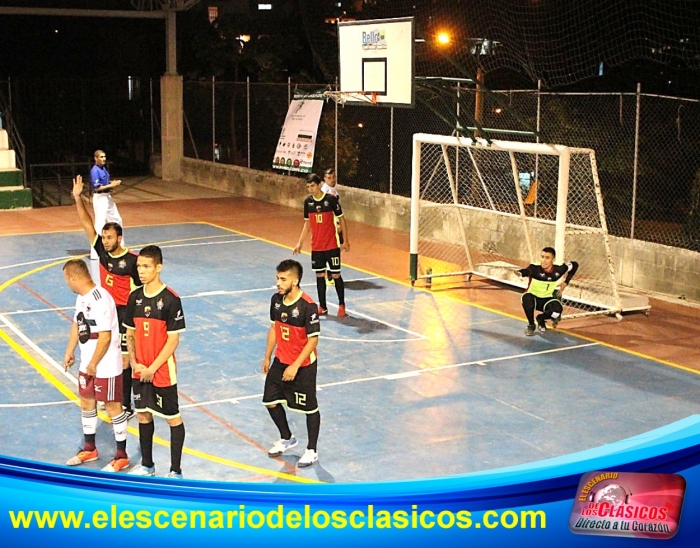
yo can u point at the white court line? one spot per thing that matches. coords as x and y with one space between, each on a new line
518 409
12 327
356 313
42 404
415 373
16 312
219 292
323 337
211 243
39 261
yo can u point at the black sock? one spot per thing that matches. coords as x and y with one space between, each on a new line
146 441
279 417
340 290
89 442
321 287
177 442
313 426
528 300
126 397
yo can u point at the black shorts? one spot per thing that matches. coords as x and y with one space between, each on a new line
121 314
541 302
158 400
299 394
319 260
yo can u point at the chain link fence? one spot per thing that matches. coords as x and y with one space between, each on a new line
647 146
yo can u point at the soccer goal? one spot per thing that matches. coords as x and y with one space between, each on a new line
488 208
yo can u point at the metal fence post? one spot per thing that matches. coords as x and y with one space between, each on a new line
537 157
636 159
213 118
391 151
335 136
150 91
247 98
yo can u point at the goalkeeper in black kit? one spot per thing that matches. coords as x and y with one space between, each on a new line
544 290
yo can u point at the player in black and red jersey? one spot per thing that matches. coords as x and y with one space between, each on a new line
291 379
118 275
154 321
320 213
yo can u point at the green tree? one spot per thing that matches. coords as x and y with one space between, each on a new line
348 148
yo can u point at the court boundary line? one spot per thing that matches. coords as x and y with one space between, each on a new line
138 246
477 305
53 380
408 374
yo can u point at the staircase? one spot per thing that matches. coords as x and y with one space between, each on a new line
13 195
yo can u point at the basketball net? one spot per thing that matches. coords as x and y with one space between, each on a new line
342 97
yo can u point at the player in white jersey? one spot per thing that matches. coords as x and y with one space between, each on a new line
329 182
96 328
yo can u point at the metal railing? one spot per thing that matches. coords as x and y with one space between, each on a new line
52 184
7 122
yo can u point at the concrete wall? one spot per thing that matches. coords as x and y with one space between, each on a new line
641 265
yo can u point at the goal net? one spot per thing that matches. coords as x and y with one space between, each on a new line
488 209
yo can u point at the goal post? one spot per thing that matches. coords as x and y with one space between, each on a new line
488 208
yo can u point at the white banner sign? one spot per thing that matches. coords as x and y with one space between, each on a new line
295 149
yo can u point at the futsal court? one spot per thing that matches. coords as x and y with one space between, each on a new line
412 384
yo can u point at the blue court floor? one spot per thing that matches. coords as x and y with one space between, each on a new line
412 384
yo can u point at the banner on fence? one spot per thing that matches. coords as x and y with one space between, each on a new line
295 148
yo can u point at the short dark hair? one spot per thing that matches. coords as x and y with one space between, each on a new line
330 171
550 250
77 267
152 252
313 178
291 264
114 226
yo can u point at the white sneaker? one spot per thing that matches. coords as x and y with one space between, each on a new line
281 446
142 470
308 458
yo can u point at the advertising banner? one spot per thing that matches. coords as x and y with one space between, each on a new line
295 148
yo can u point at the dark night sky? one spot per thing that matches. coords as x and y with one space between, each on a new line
80 46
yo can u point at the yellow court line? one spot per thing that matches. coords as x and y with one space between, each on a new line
62 388
80 230
17 278
486 308
72 397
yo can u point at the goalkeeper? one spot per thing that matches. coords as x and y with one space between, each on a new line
547 282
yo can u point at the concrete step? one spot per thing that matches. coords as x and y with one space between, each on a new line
7 159
15 197
10 177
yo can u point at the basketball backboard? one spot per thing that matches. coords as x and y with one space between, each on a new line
376 58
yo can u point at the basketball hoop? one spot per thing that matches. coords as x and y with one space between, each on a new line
343 97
